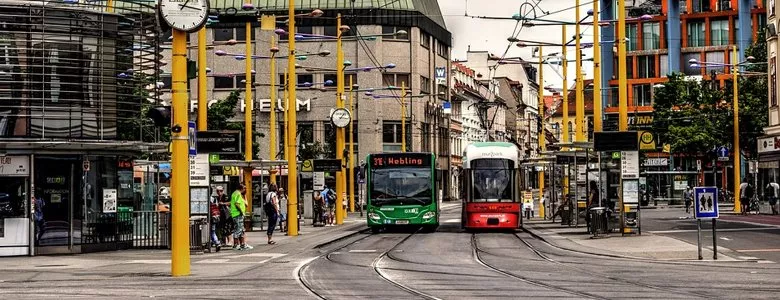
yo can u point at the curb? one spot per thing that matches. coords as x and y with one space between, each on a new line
344 236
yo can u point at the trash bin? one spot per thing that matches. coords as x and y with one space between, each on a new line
598 221
199 230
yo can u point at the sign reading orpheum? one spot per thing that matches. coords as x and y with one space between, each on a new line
263 105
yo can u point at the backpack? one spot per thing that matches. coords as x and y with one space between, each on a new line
268 207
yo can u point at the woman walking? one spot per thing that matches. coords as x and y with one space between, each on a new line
271 207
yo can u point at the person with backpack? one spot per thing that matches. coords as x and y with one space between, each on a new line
271 207
329 196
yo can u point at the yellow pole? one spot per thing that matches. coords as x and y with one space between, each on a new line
541 133
272 135
110 6
351 149
285 108
565 100
565 105
579 105
341 185
597 105
622 81
248 106
737 156
292 160
202 102
180 185
403 116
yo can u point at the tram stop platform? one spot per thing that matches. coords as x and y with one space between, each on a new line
645 246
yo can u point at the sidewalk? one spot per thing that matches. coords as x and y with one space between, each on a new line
645 246
157 263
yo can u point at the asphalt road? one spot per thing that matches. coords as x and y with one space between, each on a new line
752 236
406 264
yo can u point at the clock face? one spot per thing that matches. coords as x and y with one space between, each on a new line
340 117
185 15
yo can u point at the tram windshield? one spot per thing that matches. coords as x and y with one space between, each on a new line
491 180
401 186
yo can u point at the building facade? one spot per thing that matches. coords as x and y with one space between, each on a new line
769 145
373 40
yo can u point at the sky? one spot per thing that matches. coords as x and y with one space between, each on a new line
491 35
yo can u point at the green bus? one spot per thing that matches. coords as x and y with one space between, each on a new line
401 191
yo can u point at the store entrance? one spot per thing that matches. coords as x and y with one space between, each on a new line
14 221
56 184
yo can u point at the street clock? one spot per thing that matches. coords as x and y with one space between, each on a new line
184 15
340 117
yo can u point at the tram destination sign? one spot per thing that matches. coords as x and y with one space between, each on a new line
401 160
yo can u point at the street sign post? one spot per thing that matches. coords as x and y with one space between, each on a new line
706 207
723 154
193 138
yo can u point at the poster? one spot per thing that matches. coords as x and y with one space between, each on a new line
199 170
630 191
319 180
109 200
199 201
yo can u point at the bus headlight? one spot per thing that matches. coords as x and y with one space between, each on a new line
429 215
373 216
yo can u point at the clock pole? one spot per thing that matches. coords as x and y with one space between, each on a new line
341 185
351 148
180 185
248 106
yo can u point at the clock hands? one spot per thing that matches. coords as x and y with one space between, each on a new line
184 5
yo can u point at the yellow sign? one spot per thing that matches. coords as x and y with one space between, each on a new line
667 148
267 22
307 166
231 171
646 140
528 197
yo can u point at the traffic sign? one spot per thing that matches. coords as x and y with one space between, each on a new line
705 203
723 154
192 138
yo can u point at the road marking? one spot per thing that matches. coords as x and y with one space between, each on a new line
452 221
362 251
760 250
719 230
765 262
264 254
725 238
213 261
748 258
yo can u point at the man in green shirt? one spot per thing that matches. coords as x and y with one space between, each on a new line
237 212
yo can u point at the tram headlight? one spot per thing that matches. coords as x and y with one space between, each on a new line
429 215
373 216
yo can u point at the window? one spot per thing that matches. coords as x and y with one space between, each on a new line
391 33
773 81
223 82
442 49
389 79
664 64
425 39
241 34
425 133
651 35
687 69
633 38
425 84
629 67
167 82
240 83
719 32
298 29
332 31
392 136
771 7
347 77
303 78
442 137
643 95
700 5
646 66
696 34
223 34
306 133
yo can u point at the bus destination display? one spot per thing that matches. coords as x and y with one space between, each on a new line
401 160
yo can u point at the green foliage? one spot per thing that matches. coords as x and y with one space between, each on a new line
753 99
139 127
219 117
311 151
689 115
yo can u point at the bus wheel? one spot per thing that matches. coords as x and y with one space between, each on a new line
375 230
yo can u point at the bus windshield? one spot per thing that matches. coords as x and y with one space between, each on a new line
492 180
401 186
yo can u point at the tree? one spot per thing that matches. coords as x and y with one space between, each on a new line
221 115
753 94
690 115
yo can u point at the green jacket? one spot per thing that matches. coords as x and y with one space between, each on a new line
237 204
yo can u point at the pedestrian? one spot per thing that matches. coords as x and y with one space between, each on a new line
330 202
745 195
282 208
213 222
541 205
225 225
529 209
319 208
237 212
772 193
688 197
271 207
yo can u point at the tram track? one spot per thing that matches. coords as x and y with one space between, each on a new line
375 264
300 272
543 256
477 254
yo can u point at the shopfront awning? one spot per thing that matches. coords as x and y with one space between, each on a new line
92 147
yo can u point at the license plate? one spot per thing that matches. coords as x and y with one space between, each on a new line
402 221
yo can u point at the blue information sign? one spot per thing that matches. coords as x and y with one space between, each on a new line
723 154
705 202
192 138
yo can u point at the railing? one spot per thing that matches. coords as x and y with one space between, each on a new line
151 230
